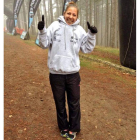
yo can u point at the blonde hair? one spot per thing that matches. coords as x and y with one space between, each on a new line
72 4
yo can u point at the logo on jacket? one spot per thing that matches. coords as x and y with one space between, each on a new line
73 39
55 39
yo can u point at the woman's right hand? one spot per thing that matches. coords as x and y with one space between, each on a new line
41 24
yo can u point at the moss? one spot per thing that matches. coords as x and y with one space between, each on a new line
105 54
109 50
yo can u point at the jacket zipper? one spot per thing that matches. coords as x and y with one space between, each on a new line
65 37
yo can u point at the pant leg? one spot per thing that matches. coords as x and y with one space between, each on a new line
73 97
58 88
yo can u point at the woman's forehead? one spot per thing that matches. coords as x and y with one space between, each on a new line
72 9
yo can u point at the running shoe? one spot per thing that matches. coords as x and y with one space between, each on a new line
71 135
64 133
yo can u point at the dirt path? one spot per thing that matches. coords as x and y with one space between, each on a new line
108 98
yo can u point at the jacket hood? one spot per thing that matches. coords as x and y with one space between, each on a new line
61 18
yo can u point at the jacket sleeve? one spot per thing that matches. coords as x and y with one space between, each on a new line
45 37
88 42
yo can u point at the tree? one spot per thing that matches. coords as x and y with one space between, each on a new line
51 11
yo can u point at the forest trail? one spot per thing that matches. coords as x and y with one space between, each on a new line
108 97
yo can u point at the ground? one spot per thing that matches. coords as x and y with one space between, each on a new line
108 97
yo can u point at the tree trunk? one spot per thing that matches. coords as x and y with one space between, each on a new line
51 11
107 23
111 25
24 16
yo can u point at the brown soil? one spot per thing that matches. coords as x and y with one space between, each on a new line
108 98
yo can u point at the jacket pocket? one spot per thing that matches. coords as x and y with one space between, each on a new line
62 64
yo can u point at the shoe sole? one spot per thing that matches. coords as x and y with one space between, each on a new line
64 136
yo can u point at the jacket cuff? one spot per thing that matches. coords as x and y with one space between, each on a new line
42 31
91 34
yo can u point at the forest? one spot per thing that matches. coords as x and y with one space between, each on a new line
100 13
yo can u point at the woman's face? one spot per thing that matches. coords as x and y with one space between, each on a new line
70 15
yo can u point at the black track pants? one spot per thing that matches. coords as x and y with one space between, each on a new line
71 84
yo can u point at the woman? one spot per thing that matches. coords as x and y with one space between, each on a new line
64 39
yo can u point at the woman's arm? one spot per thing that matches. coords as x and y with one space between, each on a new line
45 38
45 35
88 41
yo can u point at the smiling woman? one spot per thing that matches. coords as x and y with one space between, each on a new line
64 39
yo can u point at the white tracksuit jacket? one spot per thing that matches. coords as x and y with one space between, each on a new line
64 42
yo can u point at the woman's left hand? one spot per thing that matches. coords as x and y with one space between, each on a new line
91 28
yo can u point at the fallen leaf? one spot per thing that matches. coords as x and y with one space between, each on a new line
96 127
10 116
20 131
